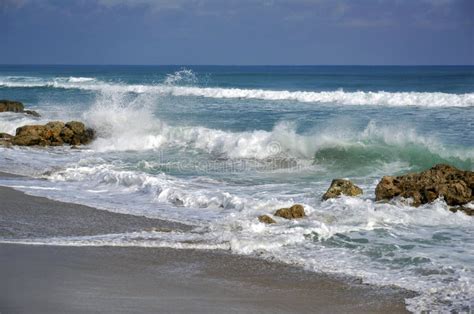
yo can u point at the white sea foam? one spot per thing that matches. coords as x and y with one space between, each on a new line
339 97
131 126
380 243
73 79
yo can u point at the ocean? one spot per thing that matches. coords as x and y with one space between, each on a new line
217 146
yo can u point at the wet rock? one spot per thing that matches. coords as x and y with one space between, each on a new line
16 106
455 186
266 219
32 112
5 136
295 211
12 106
76 127
467 210
5 140
342 187
53 133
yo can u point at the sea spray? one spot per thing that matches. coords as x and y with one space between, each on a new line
217 147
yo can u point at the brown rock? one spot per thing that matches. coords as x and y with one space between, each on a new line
76 127
342 187
453 185
66 134
9 105
53 133
29 140
266 219
5 139
5 136
16 106
30 135
295 211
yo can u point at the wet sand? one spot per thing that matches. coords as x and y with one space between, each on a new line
54 279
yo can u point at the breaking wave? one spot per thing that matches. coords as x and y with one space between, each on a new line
133 127
169 87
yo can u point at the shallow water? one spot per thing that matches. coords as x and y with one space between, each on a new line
218 146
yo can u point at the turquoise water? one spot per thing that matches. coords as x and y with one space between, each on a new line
217 146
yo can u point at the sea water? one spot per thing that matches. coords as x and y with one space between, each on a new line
217 146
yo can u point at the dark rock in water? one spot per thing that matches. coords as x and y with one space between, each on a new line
32 112
295 211
453 185
54 133
16 106
5 139
468 211
12 106
266 219
5 136
342 187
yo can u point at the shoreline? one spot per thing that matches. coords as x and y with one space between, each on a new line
132 279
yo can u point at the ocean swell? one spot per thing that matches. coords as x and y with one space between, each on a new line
169 87
134 127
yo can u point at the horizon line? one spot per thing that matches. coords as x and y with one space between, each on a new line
230 65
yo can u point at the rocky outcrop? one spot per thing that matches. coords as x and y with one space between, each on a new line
5 136
12 106
295 211
5 139
266 219
455 186
15 106
342 187
54 133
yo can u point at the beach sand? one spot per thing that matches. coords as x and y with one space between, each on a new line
58 279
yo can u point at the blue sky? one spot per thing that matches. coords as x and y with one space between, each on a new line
237 32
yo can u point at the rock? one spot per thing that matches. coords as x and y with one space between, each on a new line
342 187
5 143
266 219
76 127
29 140
453 185
468 211
53 133
16 106
9 105
5 136
32 112
295 211
66 134
5 140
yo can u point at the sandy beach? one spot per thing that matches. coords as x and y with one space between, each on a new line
57 279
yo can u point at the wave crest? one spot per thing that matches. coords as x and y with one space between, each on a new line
339 97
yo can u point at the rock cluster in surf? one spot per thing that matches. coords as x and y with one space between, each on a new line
55 133
294 212
15 106
441 181
454 186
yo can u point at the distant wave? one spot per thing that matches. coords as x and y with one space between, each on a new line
340 97
73 79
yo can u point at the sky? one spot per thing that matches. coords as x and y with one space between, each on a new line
237 32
